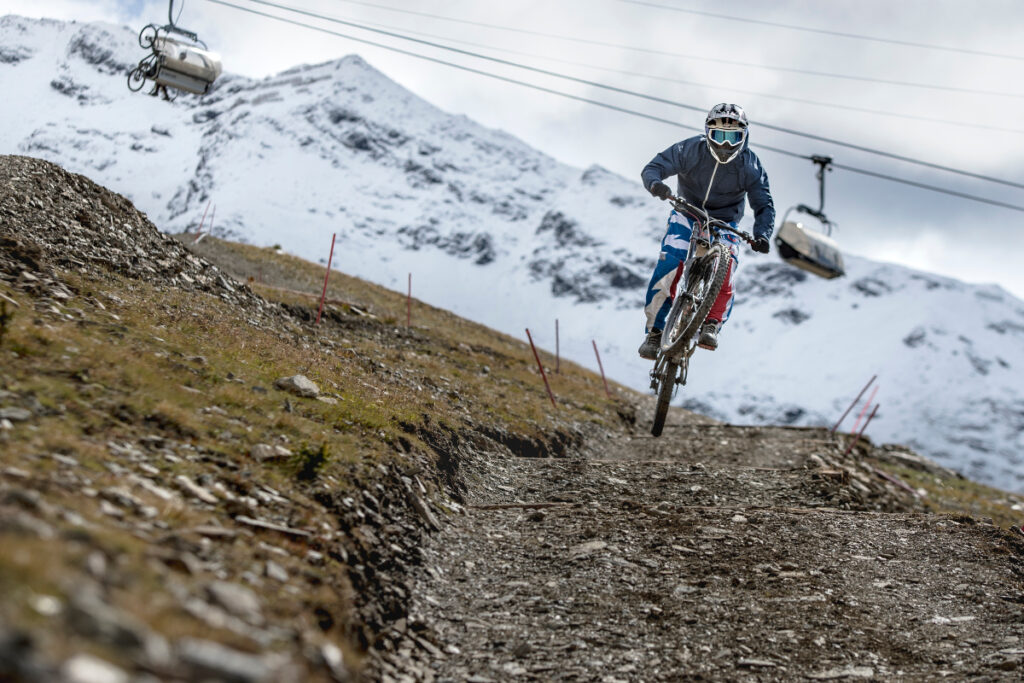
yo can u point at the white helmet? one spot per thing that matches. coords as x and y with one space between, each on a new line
725 129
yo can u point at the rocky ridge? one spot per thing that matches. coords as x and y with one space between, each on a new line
197 483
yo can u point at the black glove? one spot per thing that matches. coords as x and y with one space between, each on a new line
761 245
660 190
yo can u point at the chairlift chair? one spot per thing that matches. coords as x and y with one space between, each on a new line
183 62
812 250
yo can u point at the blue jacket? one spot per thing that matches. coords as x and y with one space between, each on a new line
719 188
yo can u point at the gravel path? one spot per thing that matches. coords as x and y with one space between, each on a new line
715 553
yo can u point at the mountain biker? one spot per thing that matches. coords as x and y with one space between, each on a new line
715 171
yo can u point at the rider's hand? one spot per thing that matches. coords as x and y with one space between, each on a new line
661 190
761 245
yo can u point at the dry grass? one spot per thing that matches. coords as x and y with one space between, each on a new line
440 345
191 368
152 361
953 495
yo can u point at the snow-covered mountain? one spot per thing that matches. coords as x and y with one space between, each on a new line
501 233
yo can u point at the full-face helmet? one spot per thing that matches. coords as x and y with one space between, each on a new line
726 131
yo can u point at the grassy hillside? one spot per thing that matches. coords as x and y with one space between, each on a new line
148 458
161 499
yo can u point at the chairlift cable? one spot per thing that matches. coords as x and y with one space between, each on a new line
669 79
715 60
598 103
827 32
913 183
171 19
633 93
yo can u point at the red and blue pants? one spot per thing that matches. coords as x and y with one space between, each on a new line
668 273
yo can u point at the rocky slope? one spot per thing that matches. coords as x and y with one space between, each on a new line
173 507
486 223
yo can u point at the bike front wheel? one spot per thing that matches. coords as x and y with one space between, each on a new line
691 308
665 389
136 79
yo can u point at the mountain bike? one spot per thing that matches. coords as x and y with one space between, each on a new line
700 277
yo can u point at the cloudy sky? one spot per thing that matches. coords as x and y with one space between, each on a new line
975 101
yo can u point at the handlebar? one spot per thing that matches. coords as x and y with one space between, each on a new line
701 215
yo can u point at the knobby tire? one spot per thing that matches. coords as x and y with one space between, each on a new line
668 384
672 346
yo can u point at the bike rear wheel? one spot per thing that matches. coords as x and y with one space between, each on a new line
689 310
665 389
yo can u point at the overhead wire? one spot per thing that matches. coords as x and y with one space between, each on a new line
718 86
598 103
715 60
625 91
914 183
827 32
170 11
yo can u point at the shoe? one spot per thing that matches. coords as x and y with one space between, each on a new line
708 336
649 349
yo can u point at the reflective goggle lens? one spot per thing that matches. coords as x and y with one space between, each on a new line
729 137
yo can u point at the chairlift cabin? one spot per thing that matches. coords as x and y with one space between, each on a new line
808 249
178 60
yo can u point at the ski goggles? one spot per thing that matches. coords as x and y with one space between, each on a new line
727 137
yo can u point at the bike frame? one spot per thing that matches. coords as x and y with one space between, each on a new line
706 232
704 219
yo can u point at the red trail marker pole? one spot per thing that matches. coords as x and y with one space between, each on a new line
541 366
203 219
601 368
408 304
323 295
864 410
870 382
558 350
861 432
209 231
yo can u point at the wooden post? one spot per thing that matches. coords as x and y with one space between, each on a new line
558 351
199 235
541 366
870 382
323 295
861 432
203 219
864 410
601 368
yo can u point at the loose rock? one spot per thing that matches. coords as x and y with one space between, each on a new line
209 659
237 600
300 385
264 452
83 668
15 414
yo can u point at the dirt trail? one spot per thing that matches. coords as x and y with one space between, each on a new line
717 553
